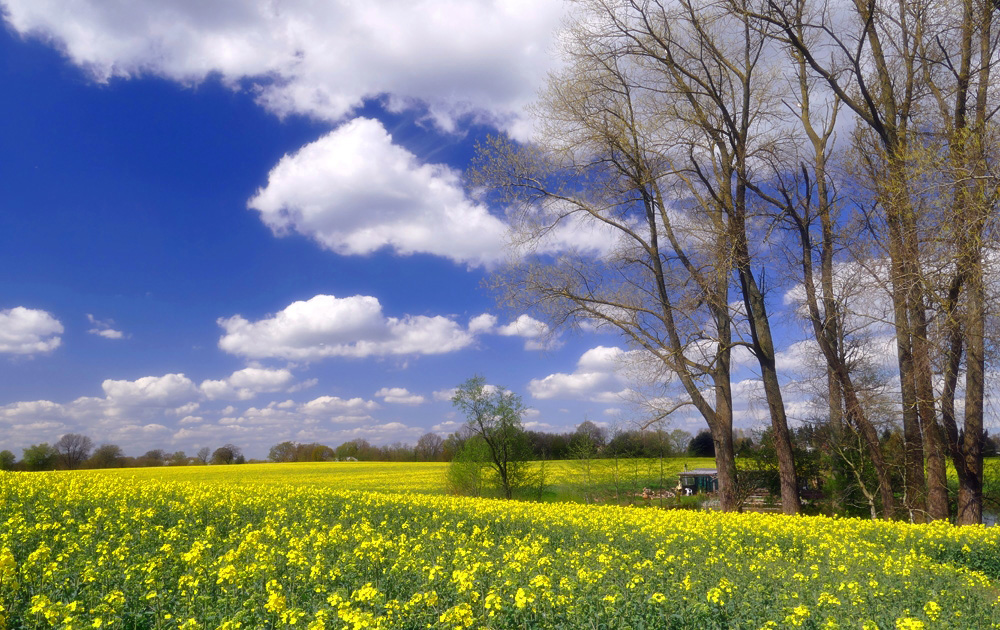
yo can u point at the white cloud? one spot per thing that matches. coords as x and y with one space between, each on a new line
28 331
454 57
482 323
104 328
597 378
187 409
798 357
399 396
304 385
445 395
107 333
246 383
524 326
169 390
536 334
32 410
448 426
328 326
355 192
336 406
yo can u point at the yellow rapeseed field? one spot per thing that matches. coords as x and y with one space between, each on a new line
359 546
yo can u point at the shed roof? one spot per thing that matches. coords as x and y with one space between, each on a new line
700 471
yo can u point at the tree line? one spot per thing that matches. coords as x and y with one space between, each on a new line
840 155
74 450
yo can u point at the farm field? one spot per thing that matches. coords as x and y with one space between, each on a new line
358 545
564 479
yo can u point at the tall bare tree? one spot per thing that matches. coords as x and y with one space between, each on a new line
650 136
916 77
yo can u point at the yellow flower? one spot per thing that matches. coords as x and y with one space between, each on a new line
798 616
520 598
933 610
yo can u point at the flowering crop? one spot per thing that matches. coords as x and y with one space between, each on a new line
117 550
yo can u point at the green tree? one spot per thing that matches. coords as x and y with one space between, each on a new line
494 415
40 457
7 460
469 467
227 454
702 445
107 456
283 452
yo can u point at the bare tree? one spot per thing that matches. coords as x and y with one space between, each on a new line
430 447
917 78
74 449
204 453
650 136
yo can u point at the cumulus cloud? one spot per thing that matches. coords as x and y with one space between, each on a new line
28 331
338 407
247 383
355 192
448 426
536 334
328 326
104 328
445 395
482 323
169 390
36 409
452 58
597 378
399 396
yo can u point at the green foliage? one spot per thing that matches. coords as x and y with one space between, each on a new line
7 460
228 454
40 457
469 470
107 456
702 445
295 452
494 415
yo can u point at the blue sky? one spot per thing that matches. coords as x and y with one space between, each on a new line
245 222
128 166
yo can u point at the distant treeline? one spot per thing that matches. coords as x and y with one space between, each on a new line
73 450
587 439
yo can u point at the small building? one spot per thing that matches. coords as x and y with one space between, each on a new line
699 480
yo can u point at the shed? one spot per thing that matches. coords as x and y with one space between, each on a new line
699 480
